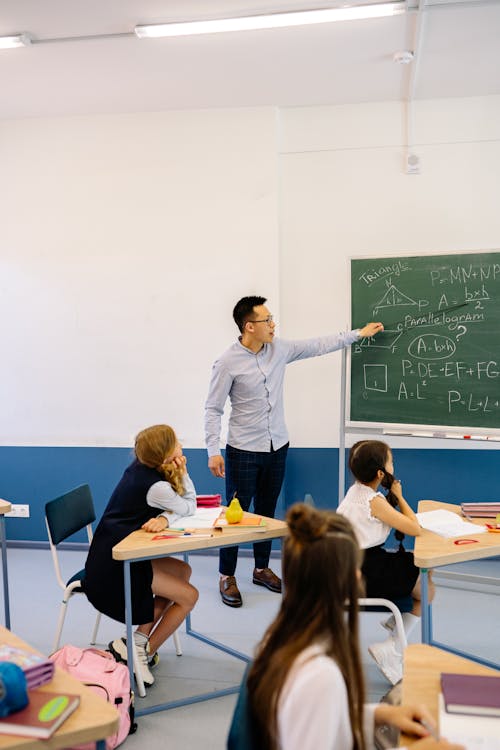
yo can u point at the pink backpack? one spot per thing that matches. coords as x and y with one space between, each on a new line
101 673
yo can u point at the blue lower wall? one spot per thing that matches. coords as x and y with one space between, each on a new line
35 475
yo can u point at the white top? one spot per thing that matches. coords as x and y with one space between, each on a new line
370 531
163 496
313 712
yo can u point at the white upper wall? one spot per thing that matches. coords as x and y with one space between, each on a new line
125 242
127 239
344 194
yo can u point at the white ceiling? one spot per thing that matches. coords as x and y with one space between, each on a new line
457 44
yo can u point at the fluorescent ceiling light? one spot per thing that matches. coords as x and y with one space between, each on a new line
271 21
17 40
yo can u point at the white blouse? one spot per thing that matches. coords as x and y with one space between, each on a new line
370 531
162 495
313 711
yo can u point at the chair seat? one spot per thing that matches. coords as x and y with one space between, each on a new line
80 576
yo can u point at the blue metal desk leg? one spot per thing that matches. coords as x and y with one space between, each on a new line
3 544
128 621
426 607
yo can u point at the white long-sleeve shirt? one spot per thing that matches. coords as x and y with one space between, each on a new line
313 712
254 384
163 496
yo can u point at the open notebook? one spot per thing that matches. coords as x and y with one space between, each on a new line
210 518
447 524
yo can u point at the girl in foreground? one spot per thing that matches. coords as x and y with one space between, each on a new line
305 687
390 575
152 494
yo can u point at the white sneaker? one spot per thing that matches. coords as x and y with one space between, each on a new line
388 659
118 648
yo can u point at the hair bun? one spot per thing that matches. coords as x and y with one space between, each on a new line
305 523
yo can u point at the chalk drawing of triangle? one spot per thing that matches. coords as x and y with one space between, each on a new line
394 298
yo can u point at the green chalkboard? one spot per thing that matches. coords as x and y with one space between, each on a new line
438 360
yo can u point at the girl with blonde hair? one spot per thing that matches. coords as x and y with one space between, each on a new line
152 494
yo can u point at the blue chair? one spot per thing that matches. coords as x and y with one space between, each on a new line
64 516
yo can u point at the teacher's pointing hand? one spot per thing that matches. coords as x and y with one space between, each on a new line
371 329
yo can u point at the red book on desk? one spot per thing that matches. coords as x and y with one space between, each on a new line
208 501
472 694
42 716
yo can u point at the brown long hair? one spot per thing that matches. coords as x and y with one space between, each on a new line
152 446
321 561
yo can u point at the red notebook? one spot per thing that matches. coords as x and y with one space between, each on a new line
471 694
208 501
42 716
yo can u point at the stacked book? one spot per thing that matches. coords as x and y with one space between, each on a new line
37 668
208 501
481 510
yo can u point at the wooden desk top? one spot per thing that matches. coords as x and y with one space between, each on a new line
432 550
93 720
5 507
421 681
140 543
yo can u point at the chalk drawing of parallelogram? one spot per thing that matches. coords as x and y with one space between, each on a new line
375 377
385 340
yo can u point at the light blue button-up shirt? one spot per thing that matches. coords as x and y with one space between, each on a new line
254 384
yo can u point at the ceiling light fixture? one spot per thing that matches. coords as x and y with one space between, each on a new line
16 40
271 21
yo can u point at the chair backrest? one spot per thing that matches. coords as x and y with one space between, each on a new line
69 513
65 516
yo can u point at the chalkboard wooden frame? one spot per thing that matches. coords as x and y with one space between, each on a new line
439 299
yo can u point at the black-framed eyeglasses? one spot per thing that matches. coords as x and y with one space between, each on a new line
268 320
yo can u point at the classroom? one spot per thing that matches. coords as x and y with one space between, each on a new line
147 184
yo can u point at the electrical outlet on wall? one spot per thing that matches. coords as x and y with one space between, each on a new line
19 511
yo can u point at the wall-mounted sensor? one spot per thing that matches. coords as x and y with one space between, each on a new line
403 57
412 164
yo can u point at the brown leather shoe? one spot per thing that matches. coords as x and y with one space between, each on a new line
229 592
267 578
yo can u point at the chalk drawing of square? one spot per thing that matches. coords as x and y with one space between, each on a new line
375 377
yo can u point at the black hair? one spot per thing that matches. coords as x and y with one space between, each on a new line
244 309
366 457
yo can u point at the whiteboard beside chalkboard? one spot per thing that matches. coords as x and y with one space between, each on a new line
437 363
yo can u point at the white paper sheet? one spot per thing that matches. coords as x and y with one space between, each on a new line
447 524
474 732
203 519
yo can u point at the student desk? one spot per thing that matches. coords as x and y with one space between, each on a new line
93 720
432 550
5 507
421 679
140 546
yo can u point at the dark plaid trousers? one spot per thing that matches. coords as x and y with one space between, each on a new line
256 476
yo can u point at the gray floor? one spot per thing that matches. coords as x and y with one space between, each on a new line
465 619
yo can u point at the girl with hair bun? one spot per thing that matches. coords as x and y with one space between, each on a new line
152 494
305 687
390 575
